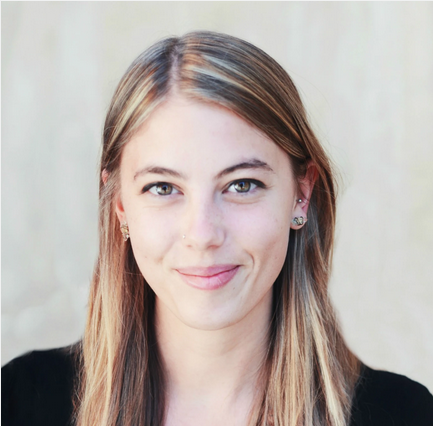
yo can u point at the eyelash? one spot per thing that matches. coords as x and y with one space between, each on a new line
255 182
250 181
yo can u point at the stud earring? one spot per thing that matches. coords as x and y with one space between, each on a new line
124 230
183 236
299 220
300 200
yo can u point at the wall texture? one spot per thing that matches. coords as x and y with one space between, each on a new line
365 72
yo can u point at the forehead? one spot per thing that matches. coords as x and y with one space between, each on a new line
197 136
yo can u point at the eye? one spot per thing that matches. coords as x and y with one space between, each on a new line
160 188
244 185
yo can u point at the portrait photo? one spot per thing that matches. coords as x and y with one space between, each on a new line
174 170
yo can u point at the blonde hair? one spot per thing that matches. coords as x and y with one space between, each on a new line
310 373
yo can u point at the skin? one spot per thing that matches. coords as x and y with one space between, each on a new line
212 342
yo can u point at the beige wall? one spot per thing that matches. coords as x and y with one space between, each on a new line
365 71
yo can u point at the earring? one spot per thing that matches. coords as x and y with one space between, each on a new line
124 230
299 220
183 236
300 200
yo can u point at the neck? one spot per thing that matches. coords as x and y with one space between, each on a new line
212 373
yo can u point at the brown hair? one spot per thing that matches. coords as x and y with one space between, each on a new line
310 372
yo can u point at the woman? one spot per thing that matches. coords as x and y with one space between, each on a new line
209 301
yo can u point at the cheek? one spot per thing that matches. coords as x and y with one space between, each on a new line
272 237
152 234
264 233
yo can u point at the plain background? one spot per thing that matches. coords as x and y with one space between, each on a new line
365 71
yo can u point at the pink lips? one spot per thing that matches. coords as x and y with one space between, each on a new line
209 278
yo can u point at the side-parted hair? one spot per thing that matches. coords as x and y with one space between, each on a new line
309 374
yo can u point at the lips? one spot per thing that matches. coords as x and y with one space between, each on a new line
209 278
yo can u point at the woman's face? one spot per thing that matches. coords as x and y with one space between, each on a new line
209 202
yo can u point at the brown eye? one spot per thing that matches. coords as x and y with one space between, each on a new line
242 186
164 189
160 188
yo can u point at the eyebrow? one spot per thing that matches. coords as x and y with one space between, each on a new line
253 163
158 171
249 164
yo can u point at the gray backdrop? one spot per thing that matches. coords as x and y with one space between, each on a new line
365 71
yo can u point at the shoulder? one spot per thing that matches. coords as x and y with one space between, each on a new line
37 388
383 398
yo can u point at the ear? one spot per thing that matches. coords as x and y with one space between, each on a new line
305 189
120 212
104 176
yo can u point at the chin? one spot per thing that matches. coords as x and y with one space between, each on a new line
204 316
210 319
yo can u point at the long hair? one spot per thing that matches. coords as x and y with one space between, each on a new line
310 373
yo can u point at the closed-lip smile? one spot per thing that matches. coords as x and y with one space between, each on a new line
208 278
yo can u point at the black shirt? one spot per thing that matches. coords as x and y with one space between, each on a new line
37 391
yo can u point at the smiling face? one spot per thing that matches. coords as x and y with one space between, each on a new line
209 202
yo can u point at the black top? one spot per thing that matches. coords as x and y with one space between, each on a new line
37 391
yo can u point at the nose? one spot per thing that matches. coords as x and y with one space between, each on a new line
203 225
